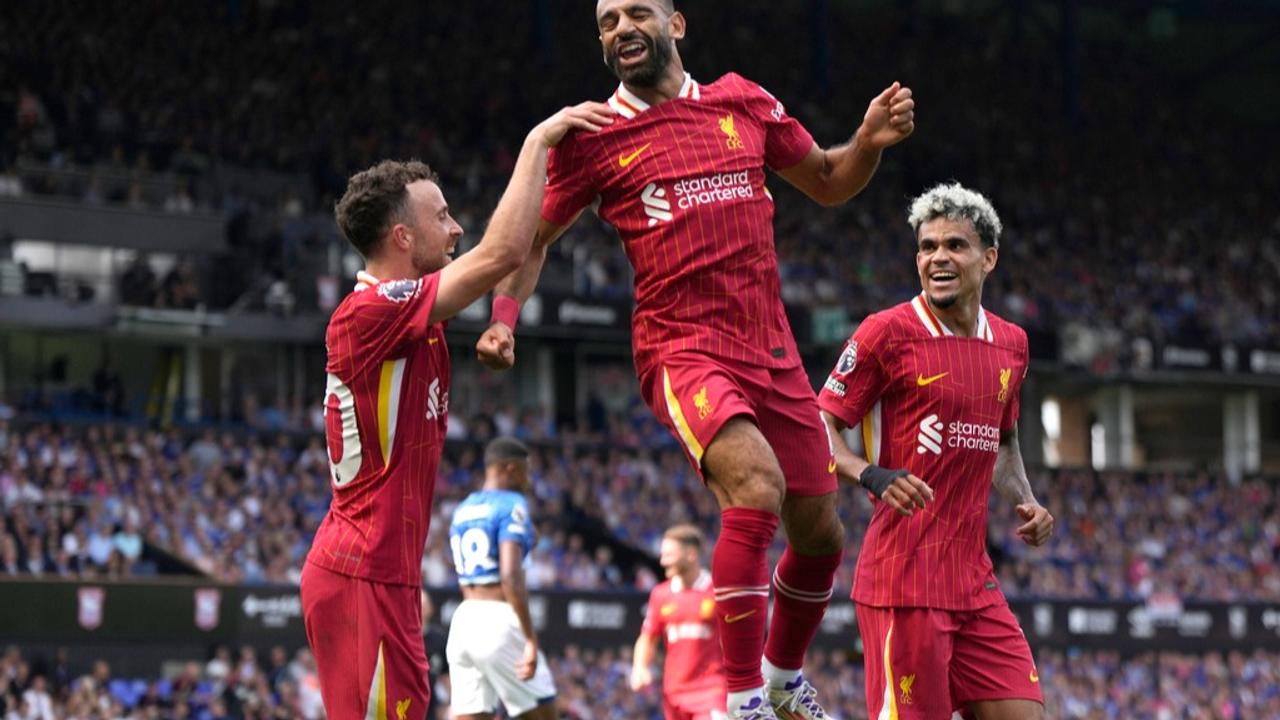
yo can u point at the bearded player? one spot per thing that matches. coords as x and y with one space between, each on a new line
682 613
681 176
935 385
386 407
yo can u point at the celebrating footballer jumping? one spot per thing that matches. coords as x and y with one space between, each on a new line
681 176
748 466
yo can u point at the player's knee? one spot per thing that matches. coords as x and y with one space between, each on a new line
814 528
750 485
741 469
824 540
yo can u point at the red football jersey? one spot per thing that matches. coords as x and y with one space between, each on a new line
686 618
684 184
386 406
936 404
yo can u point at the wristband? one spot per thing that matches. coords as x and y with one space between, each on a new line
506 310
878 479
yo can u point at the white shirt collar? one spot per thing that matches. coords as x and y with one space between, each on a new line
628 104
937 328
702 582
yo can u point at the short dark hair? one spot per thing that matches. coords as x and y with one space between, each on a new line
685 534
505 449
375 198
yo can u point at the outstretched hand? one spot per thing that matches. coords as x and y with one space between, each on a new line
590 116
890 118
496 348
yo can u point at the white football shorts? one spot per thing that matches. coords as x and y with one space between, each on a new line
485 643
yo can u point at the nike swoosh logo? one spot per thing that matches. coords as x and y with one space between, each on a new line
730 619
1034 677
625 160
831 466
432 341
921 380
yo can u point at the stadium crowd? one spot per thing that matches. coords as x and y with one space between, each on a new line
116 500
1100 225
1106 241
1078 685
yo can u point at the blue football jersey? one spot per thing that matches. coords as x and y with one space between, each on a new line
480 524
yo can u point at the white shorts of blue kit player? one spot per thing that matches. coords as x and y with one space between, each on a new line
485 643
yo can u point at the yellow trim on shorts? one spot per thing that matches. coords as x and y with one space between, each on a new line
677 418
889 707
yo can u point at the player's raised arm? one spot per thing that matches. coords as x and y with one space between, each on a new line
506 241
835 175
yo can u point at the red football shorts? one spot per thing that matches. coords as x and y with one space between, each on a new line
367 641
694 395
708 704
925 663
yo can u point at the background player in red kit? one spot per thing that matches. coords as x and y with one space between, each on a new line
386 406
935 384
682 612
681 176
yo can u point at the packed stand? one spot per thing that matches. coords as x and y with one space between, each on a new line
592 683
1147 535
1101 225
227 685
116 501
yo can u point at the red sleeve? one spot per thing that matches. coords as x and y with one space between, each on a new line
569 181
653 623
1013 407
787 142
859 377
392 315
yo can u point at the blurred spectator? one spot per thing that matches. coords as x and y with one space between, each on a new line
138 283
1100 225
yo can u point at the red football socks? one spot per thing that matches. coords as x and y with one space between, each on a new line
740 573
801 591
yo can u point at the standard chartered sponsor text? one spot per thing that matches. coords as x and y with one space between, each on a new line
973 436
713 188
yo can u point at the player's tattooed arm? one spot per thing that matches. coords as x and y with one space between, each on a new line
1010 478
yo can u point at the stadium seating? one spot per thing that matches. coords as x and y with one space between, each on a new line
1131 221
243 508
